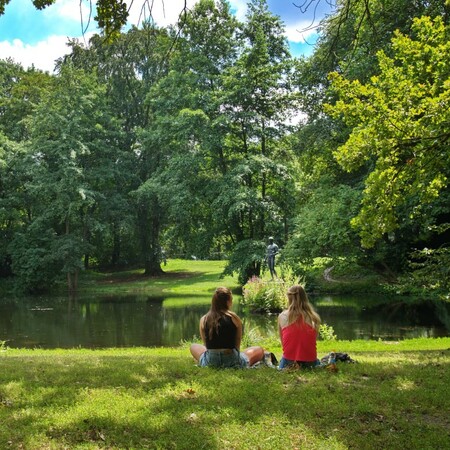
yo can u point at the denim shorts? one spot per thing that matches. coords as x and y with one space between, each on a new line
286 363
223 359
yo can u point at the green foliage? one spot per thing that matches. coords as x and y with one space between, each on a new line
431 270
265 296
326 332
144 142
111 16
322 226
400 122
35 265
253 336
246 260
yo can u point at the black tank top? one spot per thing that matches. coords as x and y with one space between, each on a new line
226 336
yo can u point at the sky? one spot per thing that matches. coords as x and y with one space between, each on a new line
32 37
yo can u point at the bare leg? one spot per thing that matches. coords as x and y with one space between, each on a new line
197 350
254 354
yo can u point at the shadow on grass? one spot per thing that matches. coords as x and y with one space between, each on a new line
154 401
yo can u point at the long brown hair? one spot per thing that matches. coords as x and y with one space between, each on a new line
219 308
299 306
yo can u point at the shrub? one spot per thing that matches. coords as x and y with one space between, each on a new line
265 296
326 332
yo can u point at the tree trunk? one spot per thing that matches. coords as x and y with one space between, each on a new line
115 256
149 228
72 281
72 277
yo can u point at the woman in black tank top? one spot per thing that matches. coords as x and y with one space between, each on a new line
221 333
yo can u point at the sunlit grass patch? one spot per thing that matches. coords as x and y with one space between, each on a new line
158 398
180 277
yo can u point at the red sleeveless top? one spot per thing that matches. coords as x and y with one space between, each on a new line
299 341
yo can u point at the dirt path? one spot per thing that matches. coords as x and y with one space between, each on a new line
327 276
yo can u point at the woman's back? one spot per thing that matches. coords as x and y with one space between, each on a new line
298 339
222 337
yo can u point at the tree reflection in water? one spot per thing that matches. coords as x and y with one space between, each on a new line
128 321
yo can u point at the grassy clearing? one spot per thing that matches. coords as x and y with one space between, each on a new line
189 278
396 397
180 278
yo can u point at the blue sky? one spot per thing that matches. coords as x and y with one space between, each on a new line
38 38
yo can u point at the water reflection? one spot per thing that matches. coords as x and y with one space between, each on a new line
119 321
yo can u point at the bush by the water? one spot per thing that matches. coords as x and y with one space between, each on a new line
270 296
265 296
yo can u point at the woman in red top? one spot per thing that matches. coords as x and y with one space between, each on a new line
298 326
221 333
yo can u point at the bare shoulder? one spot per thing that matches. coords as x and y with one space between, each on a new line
234 317
283 319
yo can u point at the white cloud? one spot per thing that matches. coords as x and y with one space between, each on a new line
68 10
42 55
300 31
239 7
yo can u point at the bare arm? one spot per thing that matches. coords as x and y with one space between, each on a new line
202 330
279 330
282 322
237 321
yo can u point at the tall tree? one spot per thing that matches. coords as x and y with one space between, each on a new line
67 157
400 121
20 92
128 67
258 100
188 126
349 42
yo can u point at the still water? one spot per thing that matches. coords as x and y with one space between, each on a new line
120 321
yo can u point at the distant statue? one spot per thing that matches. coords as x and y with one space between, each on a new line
272 250
163 256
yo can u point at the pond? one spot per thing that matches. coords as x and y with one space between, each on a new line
128 321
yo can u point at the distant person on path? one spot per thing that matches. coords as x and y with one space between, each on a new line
221 333
298 326
272 250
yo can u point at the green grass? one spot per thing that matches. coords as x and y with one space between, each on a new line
395 397
180 278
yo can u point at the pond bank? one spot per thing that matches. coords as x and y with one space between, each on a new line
193 277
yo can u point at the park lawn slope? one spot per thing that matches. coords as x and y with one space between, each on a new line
180 277
395 397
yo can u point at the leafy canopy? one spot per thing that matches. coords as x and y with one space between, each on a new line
400 125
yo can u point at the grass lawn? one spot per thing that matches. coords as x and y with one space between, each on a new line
395 397
181 277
